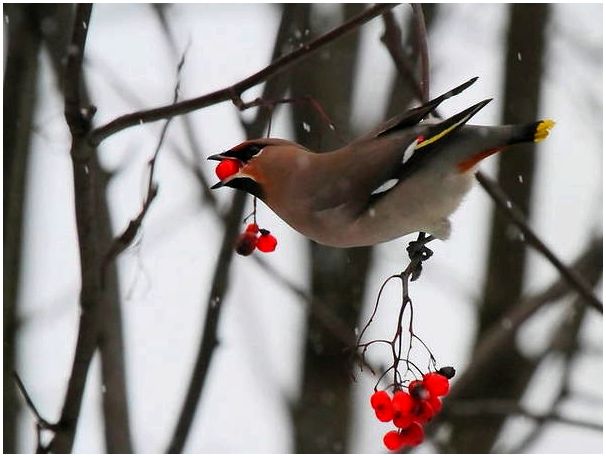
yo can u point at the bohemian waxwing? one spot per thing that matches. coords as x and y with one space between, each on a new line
408 175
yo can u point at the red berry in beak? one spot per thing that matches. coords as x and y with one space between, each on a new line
226 168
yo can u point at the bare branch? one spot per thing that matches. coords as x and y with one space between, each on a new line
209 334
78 120
392 38
496 337
234 92
565 339
28 400
516 216
122 242
190 132
421 35
41 423
508 408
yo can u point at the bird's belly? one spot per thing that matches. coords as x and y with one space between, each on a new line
408 210
403 211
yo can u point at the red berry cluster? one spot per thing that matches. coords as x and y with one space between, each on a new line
255 238
410 410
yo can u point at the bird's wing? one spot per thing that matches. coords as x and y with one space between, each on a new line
413 116
424 147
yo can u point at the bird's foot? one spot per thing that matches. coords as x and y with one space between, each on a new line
418 252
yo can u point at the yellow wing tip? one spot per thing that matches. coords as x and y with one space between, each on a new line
542 129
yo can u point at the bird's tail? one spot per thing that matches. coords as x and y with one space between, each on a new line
535 131
523 133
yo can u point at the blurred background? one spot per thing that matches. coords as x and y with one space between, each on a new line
279 379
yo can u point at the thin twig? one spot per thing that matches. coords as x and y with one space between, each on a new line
28 400
517 217
418 253
392 38
421 35
315 104
508 408
121 242
190 131
234 91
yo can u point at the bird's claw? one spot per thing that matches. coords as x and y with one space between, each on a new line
418 252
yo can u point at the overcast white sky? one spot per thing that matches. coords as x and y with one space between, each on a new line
166 278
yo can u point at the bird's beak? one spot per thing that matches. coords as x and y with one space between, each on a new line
219 184
218 157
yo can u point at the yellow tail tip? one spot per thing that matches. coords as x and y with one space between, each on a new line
542 129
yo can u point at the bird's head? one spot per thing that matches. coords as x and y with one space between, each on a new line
247 165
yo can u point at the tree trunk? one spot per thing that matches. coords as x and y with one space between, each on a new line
111 340
322 415
509 376
20 79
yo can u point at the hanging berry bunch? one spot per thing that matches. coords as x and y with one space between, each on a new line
410 410
253 237
413 396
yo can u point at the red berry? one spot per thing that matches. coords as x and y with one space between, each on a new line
436 404
246 243
252 228
436 384
267 243
418 391
384 413
402 408
226 168
393 441
379 398
381 403
412 435
422 411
